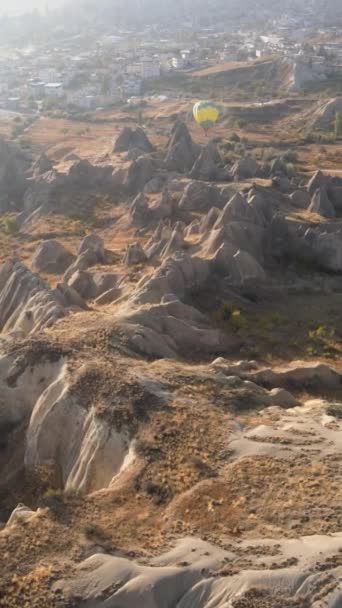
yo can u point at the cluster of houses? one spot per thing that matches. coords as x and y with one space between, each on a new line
115 67
85 79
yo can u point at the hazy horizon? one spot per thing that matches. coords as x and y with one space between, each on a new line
14 6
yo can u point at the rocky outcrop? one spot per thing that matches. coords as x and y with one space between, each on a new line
83 261
90 253
300 199
91 285
264 206
323 249
94 456
324 116
245 268
207 165
209 220
172 328
158 323
42 165
43 192
105 281
334 191
282 183
238 209
27 304
317 181
244 169
82 282
200 196
193 229
174 244
85 176
159 239
278 167
13 182
181 150
162 207
82 451
72 193
134 255
244 236
139 211
179 275
278 241
109 296
139 173
238 224
179 577
52 257
156 184
321 204
130 138
94 244
299 373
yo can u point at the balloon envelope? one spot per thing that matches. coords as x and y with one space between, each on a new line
205 113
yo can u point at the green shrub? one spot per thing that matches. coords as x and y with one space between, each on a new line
227 146
10 225
321 138
335 409
238 320
53 493
290 170
92 530
337 124
16 131
270 154
25 142
290 156
240 149
241 122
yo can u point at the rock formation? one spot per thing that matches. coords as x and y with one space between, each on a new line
206 166
134 255
245 168
181 388
321 204
51 257
181 150
13 182
130 139
27 304
42 165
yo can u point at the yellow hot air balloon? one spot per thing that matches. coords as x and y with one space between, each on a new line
206 114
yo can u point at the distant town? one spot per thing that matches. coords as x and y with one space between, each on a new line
77 72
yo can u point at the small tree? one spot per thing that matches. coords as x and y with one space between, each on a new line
338 124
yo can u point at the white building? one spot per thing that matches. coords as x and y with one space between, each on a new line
149 69
13 103
145 69
48 75
133 69
3 87
177 63
37 88
132 86
54 90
